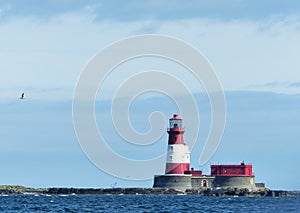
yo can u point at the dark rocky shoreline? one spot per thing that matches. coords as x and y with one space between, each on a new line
156 191
241 192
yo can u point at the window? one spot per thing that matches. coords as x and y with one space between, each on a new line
233 171
175 123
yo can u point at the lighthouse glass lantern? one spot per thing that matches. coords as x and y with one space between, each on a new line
175 123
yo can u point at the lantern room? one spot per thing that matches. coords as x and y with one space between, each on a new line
175 122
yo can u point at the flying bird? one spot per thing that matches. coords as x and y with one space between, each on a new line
22 95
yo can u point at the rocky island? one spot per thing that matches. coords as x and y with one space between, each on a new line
7 190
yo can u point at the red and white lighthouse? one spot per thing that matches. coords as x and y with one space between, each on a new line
178 156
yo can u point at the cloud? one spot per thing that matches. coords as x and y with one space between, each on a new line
240 51
272 84
92 8
281 84
294 84
51 53
287 87
4 9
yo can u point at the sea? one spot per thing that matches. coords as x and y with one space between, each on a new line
146 203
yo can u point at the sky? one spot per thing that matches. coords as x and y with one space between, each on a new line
253 47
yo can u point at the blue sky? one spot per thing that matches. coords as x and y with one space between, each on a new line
162 10
44 45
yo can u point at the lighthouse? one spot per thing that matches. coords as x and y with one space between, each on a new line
179 176
178 155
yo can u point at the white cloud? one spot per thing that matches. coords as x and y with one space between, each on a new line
47 54
52 53
242 53
4 9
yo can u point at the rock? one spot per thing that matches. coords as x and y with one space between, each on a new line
220 192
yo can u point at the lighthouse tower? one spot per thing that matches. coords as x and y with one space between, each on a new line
178 156
177 175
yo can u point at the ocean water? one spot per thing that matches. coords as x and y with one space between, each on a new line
146 203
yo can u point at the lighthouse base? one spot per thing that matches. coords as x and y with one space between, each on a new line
178 182
239 182
202 182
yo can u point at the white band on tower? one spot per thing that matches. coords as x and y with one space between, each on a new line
178 153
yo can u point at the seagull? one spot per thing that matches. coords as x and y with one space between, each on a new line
22 95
